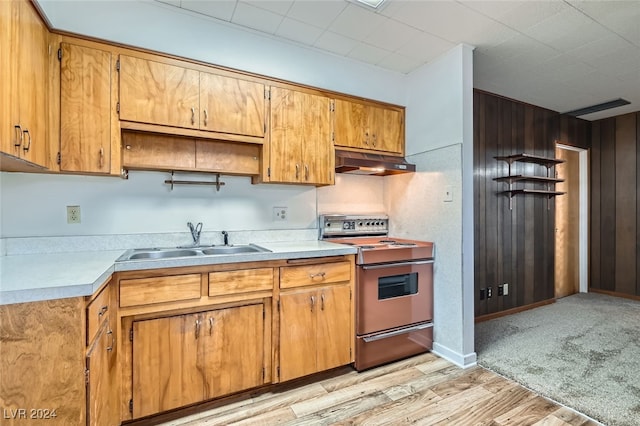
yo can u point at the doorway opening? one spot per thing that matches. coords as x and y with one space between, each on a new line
572 221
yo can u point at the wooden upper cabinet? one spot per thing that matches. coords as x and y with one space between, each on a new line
85 109
366 126
171 95
25 53
158 93
300 141
231 105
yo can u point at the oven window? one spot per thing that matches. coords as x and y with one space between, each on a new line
397 285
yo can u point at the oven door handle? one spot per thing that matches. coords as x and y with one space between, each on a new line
393 265
396 332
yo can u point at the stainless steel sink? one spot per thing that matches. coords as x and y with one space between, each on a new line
233 249
170 253
162 254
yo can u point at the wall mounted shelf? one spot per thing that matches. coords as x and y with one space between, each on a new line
548 180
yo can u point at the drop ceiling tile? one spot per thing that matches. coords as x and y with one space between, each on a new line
399 63
392 35
335 43
356 22
315 12
220 9
367 53
281 7
530 13
425 47
255 18
298 31
171 2
600 47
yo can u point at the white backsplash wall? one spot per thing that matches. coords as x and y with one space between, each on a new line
35 205
356 194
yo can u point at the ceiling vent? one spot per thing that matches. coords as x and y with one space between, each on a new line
599 107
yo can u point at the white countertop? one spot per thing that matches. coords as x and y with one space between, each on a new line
35 277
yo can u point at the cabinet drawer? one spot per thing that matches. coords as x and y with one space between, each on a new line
146 291
323 273
240 281
97 312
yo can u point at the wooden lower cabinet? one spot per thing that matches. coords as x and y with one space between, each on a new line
184 359
101 373
315 332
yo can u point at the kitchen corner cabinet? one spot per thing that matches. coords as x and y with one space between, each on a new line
87 133
184 359
169 94
548 181
316 327
368 127
300 150
24 43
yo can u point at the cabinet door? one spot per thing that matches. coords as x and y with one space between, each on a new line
26 97
318 155
298 334
158 93
388 130
6 120
334 330
232 349
350 124
101 367
165 370
231 105
286 115
85 109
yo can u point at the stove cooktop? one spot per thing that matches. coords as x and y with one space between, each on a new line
387 249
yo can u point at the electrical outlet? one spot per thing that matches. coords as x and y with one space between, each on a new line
489 292
500 290
482 293
448 194
505 289
280 214
73 214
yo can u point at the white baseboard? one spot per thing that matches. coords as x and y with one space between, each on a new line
463 361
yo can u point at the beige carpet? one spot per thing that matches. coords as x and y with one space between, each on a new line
582 351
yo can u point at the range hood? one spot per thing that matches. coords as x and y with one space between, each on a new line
359 163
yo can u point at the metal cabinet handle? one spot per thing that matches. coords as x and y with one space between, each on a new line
322 302
193 115
306 172
197 328
128 147
313 302
297 170
110 347
103 310
318 275
210 326
206 117
101 157
19 136
26 146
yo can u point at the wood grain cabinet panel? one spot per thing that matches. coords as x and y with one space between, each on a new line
300 138
159 93
146 291
185 359
25 39
97 312
85 109
240 281
101 371
323 273
369 127
314 330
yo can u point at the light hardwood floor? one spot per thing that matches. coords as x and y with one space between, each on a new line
423 390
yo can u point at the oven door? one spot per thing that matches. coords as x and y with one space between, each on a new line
393 295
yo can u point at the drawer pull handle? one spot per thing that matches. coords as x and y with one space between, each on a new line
297 170
206 118
313 302
306 172
318 275
110 347
19 135
322 302
197 329
26 147
103 310
193 115
210 326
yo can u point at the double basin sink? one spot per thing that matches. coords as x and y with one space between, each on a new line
171 253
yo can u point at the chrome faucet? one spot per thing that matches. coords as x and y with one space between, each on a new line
225 236
195 232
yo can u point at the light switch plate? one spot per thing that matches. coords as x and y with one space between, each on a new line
448 194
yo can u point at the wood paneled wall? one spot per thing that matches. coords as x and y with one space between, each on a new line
515 246
615 203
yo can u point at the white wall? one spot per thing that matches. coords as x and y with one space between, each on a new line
439 141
